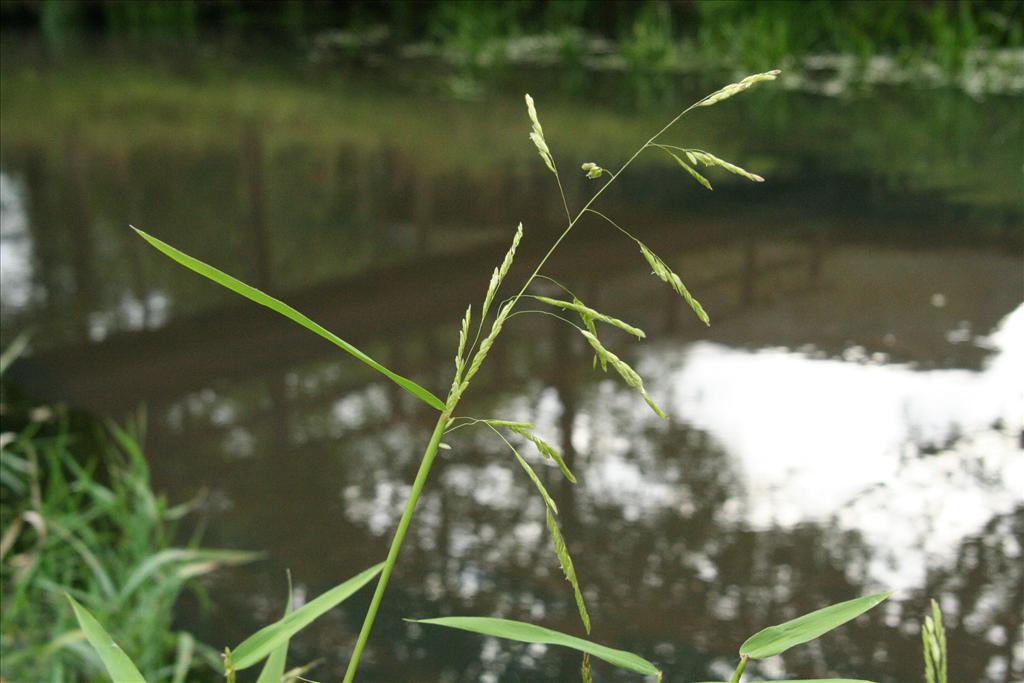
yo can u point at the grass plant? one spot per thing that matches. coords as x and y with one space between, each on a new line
478 333
80 518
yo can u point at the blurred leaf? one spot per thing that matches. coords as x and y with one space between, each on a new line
117 663
183 657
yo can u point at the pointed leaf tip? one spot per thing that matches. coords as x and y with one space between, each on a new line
269 638
781 637
529 633
264 299
115 661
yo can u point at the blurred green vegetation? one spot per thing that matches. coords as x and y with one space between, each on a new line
649 34
78 515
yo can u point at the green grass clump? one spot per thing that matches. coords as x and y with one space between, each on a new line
79 516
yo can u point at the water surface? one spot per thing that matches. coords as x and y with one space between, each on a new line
850 423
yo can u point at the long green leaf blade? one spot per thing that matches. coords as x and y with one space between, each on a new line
260 644
529 633
287 311
117 663
779 638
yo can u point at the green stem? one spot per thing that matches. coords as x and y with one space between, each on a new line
738 674
396 542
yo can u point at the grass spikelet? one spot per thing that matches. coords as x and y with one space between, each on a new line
593 170
510 423
690 169
628 374
546 449
537 136
933 636
665 274
567 568
583 310
736 88
486 344
588 321
548 501
711 160
463 336
500 272
585 670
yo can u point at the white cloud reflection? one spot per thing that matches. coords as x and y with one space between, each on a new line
817 440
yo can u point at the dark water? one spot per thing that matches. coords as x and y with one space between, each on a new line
850 423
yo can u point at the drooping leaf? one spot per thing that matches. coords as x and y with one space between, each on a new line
260 644
529 633
779 638
583 310
287 311
119 666
568 569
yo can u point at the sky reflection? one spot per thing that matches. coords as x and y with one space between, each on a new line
913 460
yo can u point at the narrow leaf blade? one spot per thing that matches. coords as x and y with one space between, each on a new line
118 664
260 644
287 311
779 638
529 633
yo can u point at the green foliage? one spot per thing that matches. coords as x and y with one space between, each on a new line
777 639
79 517
287 311
529 633
118 664
269 639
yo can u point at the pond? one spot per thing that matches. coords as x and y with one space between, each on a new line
850 423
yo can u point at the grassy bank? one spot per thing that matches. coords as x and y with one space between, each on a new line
79 516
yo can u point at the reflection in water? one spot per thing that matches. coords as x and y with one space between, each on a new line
783 481
15 246
865 444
